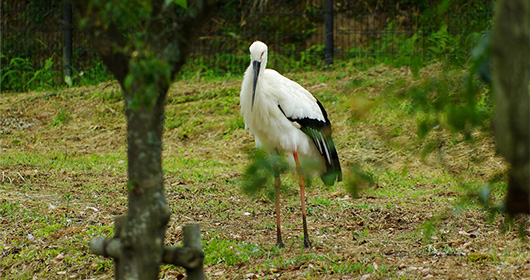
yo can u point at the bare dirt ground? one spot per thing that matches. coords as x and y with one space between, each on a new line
63 176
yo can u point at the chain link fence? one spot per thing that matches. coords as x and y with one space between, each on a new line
294 30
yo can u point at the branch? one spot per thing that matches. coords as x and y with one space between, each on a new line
171 34
106 38
110 247
189 258
175 40
192 239
106 247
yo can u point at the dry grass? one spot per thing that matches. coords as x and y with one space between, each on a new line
64 171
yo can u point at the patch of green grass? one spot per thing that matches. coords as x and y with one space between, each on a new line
235 122
37 226
190 114
321 201
55 160
112 94
92 75
345 267
222 251
193 170
61 118
266 225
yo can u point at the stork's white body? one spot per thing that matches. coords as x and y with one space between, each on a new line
284 117
269 125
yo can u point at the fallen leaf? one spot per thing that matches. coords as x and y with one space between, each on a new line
59 259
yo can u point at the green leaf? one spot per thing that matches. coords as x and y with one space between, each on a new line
182 3
128 81
68 80
484 193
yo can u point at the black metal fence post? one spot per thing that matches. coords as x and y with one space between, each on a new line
67 41
328 35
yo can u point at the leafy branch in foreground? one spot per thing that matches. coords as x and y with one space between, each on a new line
506 106
259 171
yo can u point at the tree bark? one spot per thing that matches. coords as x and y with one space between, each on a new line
144 230
511 64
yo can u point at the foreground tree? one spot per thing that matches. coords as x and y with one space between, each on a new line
144 44
511 64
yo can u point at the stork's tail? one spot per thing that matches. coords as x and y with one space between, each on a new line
320 132
333 170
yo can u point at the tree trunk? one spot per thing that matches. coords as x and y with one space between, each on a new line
511 63
144 65
148 210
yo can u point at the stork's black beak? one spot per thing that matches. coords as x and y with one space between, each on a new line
256 65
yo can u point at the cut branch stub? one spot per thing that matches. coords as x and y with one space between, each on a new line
106 247
190 256
192 239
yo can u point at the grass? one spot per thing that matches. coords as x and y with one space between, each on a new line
63 174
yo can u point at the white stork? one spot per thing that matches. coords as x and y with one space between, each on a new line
285 118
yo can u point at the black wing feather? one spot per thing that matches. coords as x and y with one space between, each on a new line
320 132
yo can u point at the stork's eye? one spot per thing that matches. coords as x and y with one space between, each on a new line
261 57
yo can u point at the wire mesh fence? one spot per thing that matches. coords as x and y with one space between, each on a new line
294 30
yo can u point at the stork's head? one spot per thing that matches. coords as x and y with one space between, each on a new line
258 59
258 52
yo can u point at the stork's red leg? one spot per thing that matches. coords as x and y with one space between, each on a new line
307 243
279 241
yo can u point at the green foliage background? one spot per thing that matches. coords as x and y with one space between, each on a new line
412 33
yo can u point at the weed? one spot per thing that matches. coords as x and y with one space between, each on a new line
92 75
61 118
19 75
218 250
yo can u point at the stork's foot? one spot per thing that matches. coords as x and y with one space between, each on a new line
307 243
280 244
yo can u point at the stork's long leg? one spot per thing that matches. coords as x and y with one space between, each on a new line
277 183
307 243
